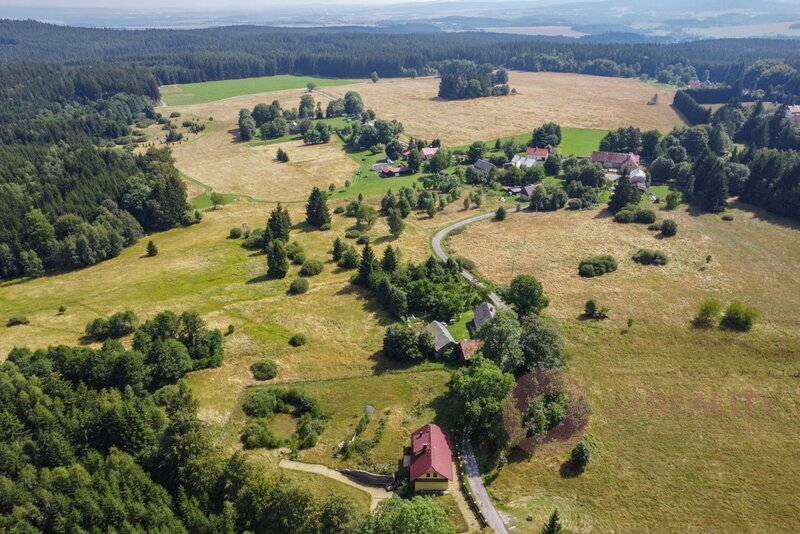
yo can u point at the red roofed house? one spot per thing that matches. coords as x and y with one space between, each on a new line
428 152
395 171
538 153
793 112
468 348
431 460
615 160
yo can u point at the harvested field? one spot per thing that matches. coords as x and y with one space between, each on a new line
219 160
693 429
569 99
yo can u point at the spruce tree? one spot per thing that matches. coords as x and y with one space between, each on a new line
338 249
624 194
553 526
366 267
396 223
279 223
317 212
152 249
390 260
277 261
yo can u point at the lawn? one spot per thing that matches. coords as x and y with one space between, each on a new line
202 92
574 141
368 182
677 444
460 329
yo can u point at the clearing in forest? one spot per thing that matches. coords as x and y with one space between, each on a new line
569 99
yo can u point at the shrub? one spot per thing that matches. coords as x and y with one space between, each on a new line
298 286
260 403
597 265
646 256
363 239
739 317
293 249
62 310
152 249
256 436
727 217
325 227
175 114
594 310
500 214
581 455
655 227
625 216
298 340
673 200
707 314
645 216
16 320
669 227
264 370
352 234
338 210
311 268
350 259
574 204
235 233
299 258
231 329
255 240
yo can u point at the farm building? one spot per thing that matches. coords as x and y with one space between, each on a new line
527 192
539 154
615 160
467 349
442 339
482 313
428 152
395 171
431 460
793 112
523 162
483 165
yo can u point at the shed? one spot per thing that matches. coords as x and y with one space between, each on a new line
483 165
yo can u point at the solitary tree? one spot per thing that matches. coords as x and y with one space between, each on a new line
374 77
623 194
527 295
277 261
317 213
282 156
217 199
311 86
541 345
152 249
553 525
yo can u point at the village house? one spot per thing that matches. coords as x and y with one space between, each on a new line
431 468
428 152
467 349
793 112
482 313
615 160
442 339
539 154
388 171
522 162
527 192
485 166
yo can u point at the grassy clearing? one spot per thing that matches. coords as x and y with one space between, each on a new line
574 100
677 447
574 141
202 92
368 182
460 329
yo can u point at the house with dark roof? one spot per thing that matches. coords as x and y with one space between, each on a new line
431 467
483 312
615 160
442 338
483 165
527 191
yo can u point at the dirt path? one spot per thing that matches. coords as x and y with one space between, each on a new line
376 495
473 525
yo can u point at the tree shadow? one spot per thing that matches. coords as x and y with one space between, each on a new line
766 216
259 279
569 470
384 239
604 213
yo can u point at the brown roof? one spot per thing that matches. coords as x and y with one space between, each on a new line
540 152
468 348
614 158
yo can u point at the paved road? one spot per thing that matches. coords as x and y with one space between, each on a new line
474 479
491 514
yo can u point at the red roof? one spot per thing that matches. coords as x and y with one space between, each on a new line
430 452
395 170
468 348
428 152
615 158
540 152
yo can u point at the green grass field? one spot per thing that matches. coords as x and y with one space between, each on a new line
574 141
201 92
368 182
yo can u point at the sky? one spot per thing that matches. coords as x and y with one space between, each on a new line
217 5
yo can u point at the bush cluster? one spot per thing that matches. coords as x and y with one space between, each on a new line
298 340
311 268
118 325
645 256
298 286
632 214
263 403
597 265
264 370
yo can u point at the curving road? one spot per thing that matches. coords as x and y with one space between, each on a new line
490 513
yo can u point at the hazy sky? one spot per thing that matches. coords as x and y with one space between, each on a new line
217 5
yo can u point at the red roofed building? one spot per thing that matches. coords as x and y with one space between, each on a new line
538 153
431 460
395 171
468 348
615 160
793 112
428 152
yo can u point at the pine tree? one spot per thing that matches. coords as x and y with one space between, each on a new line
338 249
282 156
152 249
404 206
391 259
553 526
366 267
396 223
279 224
317 212
277 261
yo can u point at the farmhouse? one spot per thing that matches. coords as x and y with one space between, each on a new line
527 192
442 339
431 460
483 165
395 171
615 160
793 112
523 161
428 152
539 154
482 313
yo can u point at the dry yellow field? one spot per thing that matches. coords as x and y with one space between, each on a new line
219 160
568 99
693 430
